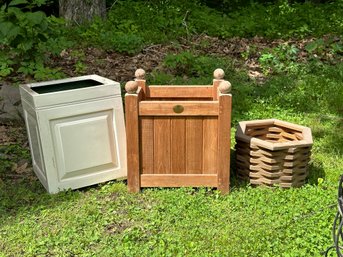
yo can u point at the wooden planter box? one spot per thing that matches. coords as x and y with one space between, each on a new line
272 152
178 135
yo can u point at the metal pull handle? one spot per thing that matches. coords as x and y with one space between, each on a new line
178 108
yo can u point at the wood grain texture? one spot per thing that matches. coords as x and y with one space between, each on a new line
280 158
147 144
215 86
168 99
180 91
184 136
144 86
165 108
178 145
132 132
194 143
161 145
224 135
210 144
178 180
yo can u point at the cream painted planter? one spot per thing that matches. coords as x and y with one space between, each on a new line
76 131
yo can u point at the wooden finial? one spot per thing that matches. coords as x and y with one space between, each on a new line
218 74
131 87
224 87
140 74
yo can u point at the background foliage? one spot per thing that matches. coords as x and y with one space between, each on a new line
29 38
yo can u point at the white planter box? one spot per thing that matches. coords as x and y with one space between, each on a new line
76 131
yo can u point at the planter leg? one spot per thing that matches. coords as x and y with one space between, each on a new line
224 135
131 107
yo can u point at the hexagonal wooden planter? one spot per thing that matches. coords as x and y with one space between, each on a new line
272 152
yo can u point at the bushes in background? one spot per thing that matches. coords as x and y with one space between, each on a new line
28 36
133 24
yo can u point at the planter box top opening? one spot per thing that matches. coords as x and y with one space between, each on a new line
43 89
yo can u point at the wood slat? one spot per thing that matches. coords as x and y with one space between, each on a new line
257 133
210 145
178 145
275 129
161 145
216 83
194 143
178 180
144 86
147 145
165 108
288 125
178 99
132 132
289 136
180 91
224 135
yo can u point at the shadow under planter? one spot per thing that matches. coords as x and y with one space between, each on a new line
270 152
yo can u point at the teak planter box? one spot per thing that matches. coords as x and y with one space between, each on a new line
272 152
178 135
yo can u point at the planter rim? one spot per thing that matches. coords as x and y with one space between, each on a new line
101 80
306 132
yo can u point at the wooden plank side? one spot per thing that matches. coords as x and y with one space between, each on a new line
210 145
161 145
178 145
190 108
178 99
180 91
178 180
194 145
147 145
224 140
133 174
216 83
144 86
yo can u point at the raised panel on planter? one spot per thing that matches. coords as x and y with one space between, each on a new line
178 135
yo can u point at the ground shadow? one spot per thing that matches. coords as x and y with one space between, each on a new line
331 140
235 181
28 195
316 172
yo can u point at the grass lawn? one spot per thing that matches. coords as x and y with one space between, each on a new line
106 220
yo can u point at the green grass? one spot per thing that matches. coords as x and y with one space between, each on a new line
106 220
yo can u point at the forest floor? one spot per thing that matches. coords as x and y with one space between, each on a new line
244 52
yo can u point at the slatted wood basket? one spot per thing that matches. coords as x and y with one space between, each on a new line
178 135
270 152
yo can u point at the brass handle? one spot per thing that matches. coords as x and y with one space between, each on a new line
178 108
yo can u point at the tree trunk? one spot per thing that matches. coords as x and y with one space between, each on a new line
81 11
